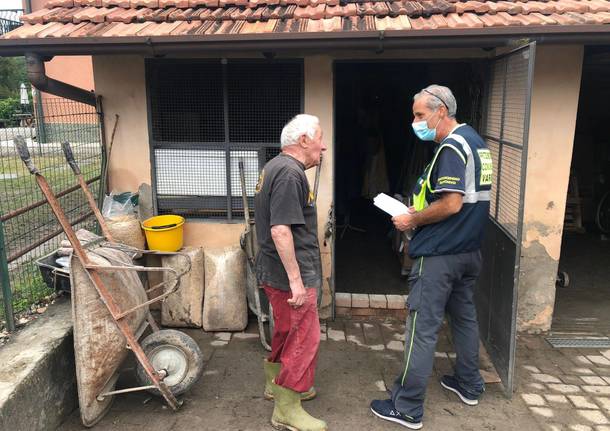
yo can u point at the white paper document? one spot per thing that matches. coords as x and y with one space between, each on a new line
390 205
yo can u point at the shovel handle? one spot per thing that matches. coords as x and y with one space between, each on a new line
70 157
24 154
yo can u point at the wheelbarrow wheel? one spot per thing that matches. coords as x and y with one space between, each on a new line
177 354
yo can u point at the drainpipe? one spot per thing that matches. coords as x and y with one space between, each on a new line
39 79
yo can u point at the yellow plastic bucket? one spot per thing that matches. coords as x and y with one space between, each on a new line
164 233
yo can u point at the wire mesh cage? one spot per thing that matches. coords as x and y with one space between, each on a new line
207 115
504 133
29 228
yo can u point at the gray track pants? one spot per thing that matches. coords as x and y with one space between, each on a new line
437 285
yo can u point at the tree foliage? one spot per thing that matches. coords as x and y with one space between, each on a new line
12 74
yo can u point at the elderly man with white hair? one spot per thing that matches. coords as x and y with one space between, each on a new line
288 267
448 218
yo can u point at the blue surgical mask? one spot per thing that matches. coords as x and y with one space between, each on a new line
422 130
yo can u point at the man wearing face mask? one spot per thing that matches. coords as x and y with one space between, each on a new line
448 217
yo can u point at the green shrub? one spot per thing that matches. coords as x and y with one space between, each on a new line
8 108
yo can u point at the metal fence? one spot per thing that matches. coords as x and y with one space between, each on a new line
9 20
28 229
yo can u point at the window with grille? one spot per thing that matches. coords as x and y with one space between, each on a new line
205 116
505 129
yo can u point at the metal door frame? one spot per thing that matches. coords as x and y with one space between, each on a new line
518 239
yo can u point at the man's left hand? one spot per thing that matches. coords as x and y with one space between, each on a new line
404 222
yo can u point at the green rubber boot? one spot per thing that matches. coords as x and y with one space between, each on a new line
288 414
272 369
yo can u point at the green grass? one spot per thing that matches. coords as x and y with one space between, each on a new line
27 284
28 287
23 190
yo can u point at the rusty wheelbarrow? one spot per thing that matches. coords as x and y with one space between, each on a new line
111 313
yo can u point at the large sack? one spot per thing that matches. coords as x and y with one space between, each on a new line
126 230
224 305
183 308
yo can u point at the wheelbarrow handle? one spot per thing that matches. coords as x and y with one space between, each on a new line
70 157
24 154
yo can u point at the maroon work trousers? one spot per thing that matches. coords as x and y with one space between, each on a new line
296 338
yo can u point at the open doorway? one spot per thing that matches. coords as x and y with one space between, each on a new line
582 299
377 152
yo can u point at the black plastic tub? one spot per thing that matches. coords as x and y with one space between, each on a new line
54 275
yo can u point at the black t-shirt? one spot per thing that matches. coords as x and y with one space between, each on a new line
283 198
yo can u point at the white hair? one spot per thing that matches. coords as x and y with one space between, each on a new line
439 96
302 124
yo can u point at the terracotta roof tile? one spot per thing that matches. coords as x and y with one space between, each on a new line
440 21
444 6
538 7
579 6
35 17
153 4
397 23
206 15
396 8
49 29
268 26
204 27
422 24
454 20
380 9
510 7
311 12
581 17
59 3
174 3
120 3
603 17
599 6
54 14
493 21
116 29
432 7
414 9
296 25
509 18
24 32
92 3
331 24
546 20
472 6
405 22
163 14
365 8
91 14
221 27
116 18
122 15
350 23
66 29
563 6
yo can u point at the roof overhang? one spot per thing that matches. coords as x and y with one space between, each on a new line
365 40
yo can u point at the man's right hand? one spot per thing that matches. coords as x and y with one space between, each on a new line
299 294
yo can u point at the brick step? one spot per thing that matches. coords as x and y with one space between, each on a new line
370 305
